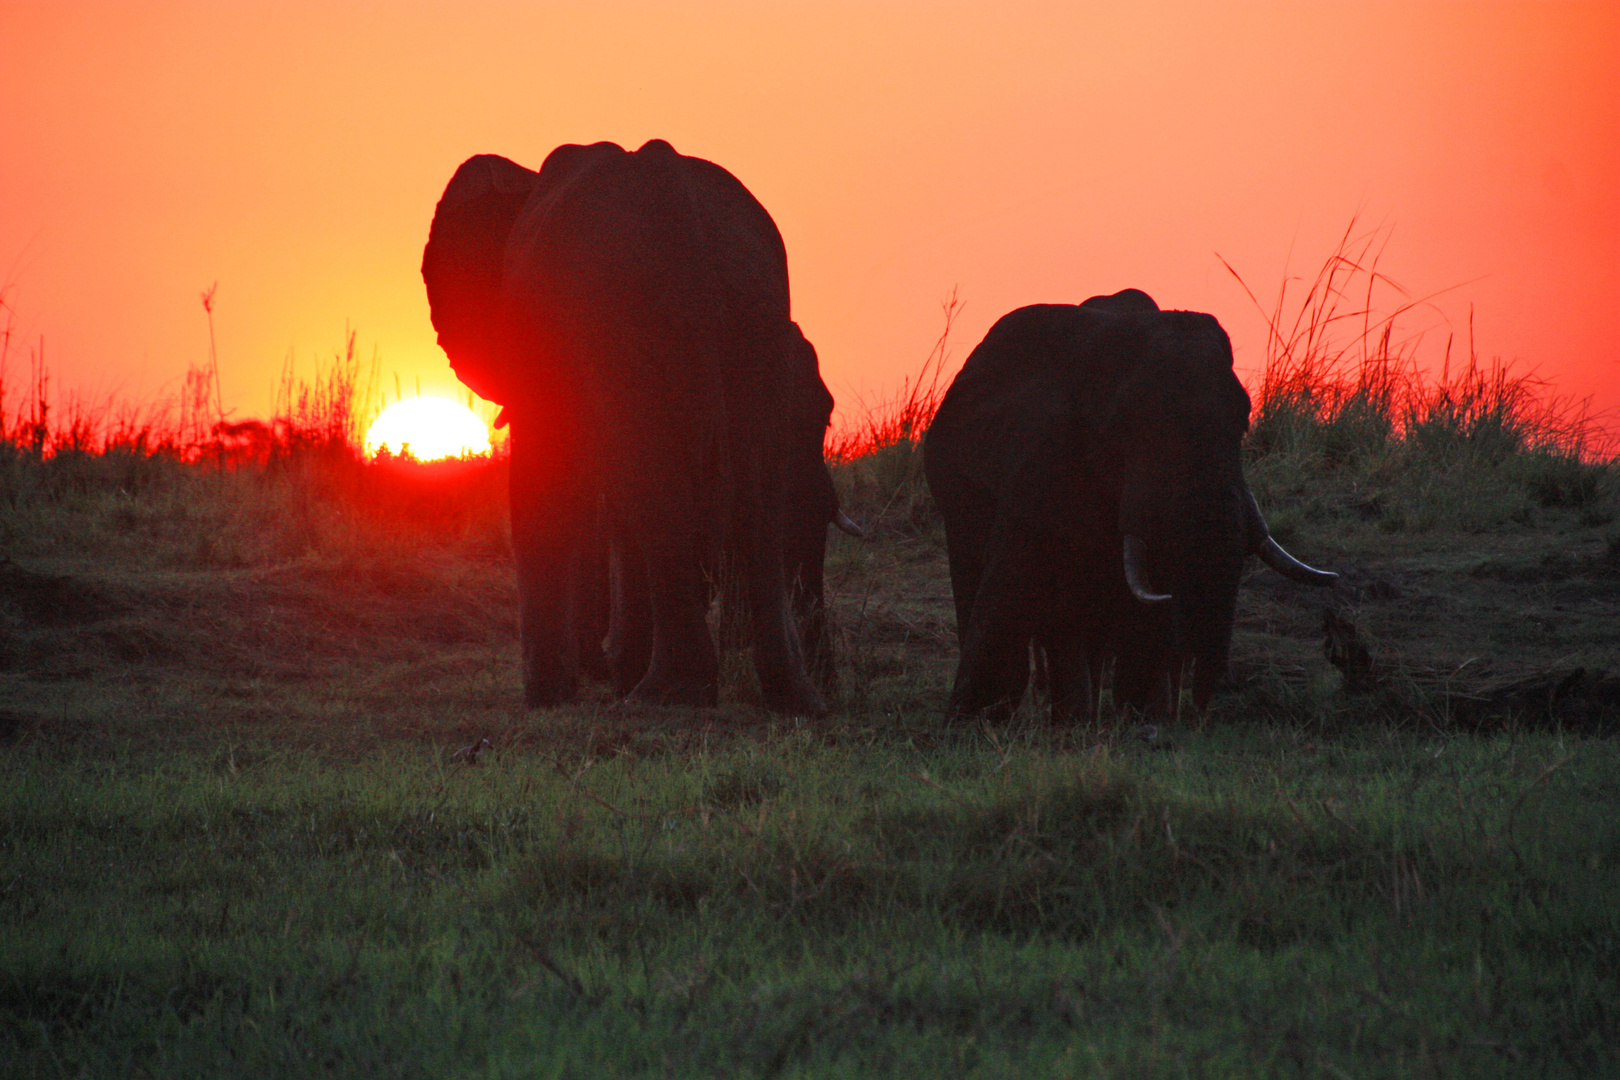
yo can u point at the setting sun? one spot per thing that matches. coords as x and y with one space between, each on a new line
429 428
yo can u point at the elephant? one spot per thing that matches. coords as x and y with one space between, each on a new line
630 312
1085 457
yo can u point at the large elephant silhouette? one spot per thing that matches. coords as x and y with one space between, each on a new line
1085 457
630 312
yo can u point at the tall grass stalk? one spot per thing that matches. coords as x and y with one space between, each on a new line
1351 420
1338 393
877 460
906 416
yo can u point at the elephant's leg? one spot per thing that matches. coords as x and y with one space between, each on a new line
683 668
1209 636
815 633
993 668
1074 694
1207 674
658 514
991 676
550 512
1142 681
1184 674
1040 682
629 641
593 598
964 548
778 657
760 555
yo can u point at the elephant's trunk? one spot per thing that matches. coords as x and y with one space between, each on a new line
1134 576
1272 554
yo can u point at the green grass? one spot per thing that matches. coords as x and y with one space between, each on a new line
793 901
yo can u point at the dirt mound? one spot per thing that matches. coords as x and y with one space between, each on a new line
1577 700
289 620
53 600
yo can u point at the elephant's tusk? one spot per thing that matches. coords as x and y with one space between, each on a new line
846 525
1272 554
1133 574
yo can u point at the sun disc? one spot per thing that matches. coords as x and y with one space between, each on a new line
429 428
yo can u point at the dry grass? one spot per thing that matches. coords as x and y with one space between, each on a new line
905 417
1344 375
877 460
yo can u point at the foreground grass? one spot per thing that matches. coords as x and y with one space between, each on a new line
625 896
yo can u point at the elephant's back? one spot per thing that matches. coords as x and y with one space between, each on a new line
1016 372
1010 392
651 236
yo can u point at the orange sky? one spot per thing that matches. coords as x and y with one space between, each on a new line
1041 153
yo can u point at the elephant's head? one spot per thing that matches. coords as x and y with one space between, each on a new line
1172 436
462 267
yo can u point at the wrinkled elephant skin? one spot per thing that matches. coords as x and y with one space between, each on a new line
1087 464
630 312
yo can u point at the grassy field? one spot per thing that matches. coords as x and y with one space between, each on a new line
250 825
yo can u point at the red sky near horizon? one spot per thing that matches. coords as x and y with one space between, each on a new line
1044 152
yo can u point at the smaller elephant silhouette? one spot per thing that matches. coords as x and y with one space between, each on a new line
1085 458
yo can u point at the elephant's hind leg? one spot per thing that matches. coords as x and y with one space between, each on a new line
778 657
683 669
550 515
629 640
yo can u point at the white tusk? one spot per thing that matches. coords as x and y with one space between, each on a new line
1133 575
845 524
1272 554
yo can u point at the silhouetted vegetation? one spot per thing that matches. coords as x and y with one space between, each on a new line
1348 423
877 460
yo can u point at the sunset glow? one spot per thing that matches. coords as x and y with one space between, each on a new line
1017 153
428 428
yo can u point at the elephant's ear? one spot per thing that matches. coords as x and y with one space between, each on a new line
461 266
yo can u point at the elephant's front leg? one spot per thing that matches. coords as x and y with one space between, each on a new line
683 669
761 551
992 670
995 622
1142 662
815 634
